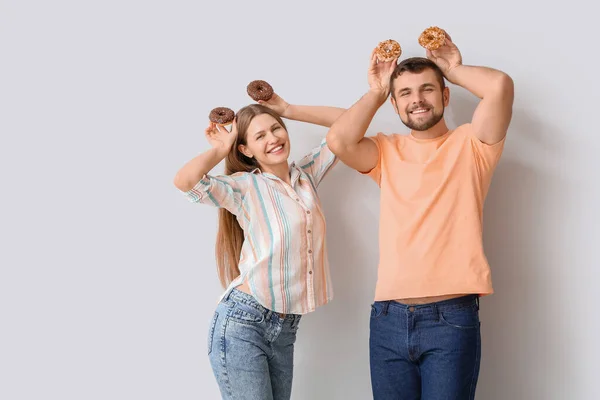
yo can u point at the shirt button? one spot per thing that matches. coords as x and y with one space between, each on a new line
310 272
309 251
308 211
297 199
309 231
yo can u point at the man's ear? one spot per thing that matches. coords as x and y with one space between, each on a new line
446 96
393 101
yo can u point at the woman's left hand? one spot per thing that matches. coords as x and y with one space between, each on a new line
276 104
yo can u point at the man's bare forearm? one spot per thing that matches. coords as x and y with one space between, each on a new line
351 127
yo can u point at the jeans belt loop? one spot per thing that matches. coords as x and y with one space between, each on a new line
436 312
385 307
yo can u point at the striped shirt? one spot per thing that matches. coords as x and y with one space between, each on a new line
285 274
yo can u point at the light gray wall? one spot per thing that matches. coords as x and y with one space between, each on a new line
108 278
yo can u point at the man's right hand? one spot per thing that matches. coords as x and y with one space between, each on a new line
379 75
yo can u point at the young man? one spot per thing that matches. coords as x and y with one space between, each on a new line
425 330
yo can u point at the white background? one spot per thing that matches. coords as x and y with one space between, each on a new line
108 277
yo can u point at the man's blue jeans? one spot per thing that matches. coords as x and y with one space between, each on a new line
428 352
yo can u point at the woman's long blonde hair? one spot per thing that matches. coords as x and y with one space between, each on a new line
230 236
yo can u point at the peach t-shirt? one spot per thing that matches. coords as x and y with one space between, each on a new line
430 229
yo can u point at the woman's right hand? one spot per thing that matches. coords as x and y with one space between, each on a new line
220 138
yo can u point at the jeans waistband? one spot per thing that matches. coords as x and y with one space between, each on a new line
471 300
242 297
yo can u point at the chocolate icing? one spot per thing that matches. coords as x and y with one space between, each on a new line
221 115
259 90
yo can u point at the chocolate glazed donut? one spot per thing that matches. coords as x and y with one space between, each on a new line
259 90
221 116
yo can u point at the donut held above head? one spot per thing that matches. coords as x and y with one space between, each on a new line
221 116
432 38
259 90
388 50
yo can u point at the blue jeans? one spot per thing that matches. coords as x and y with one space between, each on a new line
251 349
429 352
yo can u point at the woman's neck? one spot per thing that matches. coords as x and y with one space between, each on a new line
282 171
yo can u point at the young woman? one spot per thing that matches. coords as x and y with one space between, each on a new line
271 251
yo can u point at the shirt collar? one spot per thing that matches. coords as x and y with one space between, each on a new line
294 169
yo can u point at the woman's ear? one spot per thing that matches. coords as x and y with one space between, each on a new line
244 150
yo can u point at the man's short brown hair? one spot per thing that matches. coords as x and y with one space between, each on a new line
416 65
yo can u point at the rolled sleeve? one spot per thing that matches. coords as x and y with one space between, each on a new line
318 162
223 191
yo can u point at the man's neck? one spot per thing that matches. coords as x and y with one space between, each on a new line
435 131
